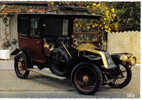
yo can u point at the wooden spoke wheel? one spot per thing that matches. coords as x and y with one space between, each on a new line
86 78
21 65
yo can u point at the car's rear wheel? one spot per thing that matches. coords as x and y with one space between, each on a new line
86 78
21 65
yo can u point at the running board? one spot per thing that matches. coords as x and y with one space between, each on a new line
47 73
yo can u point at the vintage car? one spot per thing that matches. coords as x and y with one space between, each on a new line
46 40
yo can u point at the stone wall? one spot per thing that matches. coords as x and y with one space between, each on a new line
3 30
13 30
13 27
120 42
10 30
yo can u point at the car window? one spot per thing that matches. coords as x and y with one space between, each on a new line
41 25
51 26
65 27
23 25
34 27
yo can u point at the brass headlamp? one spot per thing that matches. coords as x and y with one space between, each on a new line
128 58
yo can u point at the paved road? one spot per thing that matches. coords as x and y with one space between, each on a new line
38 86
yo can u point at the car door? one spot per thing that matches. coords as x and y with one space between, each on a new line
29 38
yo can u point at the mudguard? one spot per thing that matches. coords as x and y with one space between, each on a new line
105 56
15 52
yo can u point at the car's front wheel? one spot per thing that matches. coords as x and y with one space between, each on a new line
86 78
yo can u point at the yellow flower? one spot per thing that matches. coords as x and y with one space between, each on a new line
88 27
107 12
104 18
94 25
109 29
88 6
112 10
106 26
98 5
113 15
94 4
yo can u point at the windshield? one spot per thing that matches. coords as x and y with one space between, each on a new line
84 25
87 31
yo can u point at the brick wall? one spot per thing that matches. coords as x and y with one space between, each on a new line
120 42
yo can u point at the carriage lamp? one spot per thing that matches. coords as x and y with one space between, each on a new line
132 60
124 58
128 58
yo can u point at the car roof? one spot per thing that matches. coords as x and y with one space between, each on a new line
69 12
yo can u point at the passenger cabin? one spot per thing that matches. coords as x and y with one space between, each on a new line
32 28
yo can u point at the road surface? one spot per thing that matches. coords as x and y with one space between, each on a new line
38 86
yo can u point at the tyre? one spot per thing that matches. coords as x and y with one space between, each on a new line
21 64
59 61
86 78
123 78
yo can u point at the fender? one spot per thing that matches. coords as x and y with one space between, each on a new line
15 52
72 63
27 54
91 48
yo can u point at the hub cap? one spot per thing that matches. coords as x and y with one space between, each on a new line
85 79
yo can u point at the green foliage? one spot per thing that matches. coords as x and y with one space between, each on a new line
117 16
105 23
14 41
128 15
8 43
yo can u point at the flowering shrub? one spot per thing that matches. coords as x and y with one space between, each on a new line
108 15
105 23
